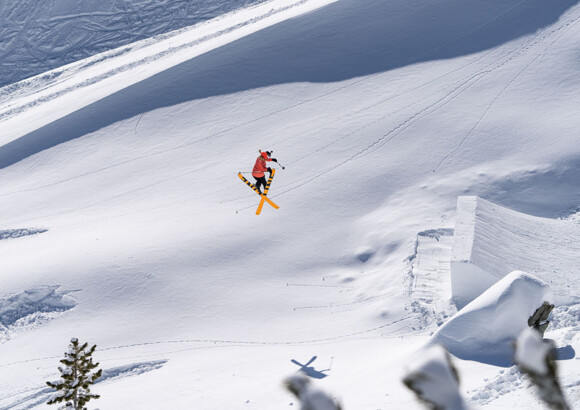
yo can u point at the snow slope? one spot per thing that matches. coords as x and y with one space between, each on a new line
381 112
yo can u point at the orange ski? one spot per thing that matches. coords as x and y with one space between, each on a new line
263 195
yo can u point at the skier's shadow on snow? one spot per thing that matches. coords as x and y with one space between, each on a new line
343 40
310 371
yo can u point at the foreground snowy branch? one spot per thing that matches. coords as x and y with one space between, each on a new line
535 357
310 397
435 380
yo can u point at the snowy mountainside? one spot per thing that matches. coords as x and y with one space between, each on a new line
191 297
40 36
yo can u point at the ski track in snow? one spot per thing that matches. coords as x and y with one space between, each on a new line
201 344
30 398
564 28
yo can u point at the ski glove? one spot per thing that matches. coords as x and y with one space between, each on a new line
269 169
274 159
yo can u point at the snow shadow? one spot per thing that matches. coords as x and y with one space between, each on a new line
134 369
343 40
310 371
488 356
565 353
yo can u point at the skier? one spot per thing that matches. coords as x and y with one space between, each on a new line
260 167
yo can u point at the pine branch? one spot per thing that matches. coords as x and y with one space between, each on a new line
76 377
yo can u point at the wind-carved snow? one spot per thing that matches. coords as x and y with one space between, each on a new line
492 241
19 233
32 308
430 277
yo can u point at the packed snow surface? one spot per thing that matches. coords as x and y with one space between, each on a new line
382 113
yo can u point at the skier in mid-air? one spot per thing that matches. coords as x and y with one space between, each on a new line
260 167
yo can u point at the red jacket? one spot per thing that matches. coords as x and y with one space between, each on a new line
260 167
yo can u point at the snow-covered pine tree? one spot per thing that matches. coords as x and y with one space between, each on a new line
76 377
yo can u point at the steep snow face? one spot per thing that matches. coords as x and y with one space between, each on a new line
39 36
491 241
485 330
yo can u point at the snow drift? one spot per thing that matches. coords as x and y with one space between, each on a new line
485 329
491 241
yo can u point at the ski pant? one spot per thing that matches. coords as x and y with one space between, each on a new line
260 182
